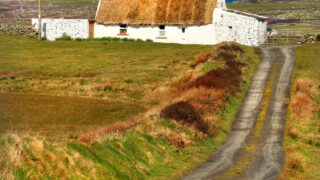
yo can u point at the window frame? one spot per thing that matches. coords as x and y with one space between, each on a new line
162 32
123 30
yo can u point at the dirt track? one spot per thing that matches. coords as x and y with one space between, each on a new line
268 159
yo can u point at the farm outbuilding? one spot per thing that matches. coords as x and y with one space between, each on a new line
179 21
167 21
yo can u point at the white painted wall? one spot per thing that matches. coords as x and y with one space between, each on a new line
226 26
240 28
55 28
192 35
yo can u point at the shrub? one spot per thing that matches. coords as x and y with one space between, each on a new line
115 39
296 163
131 40
149 40
105 39
44 39
184 113
79 39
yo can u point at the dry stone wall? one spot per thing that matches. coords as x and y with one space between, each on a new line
18 29
56 28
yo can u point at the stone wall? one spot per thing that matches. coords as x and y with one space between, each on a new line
56 28
18 29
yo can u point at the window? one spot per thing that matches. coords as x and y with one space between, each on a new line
162 32
183 30
123 30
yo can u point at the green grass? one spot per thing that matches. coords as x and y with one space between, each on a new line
129 155
132 155
307 144
99 82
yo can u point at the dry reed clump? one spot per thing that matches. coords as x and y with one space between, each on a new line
101 132
303 86
296 163
293 132
302 103
301 106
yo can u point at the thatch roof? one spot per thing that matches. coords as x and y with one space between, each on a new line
156 12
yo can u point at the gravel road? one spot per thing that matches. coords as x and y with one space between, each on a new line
268 160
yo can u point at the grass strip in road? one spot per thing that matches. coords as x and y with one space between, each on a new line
250 149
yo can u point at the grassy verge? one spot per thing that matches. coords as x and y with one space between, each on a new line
302 137
156 148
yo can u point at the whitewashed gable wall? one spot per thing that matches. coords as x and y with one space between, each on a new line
55 28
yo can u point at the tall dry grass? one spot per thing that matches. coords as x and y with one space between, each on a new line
194 102
118 127
201 99
302 103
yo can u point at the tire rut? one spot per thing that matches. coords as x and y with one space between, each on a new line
268 160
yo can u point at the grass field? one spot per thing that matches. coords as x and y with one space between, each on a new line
302 138
286 11
281 10
43 83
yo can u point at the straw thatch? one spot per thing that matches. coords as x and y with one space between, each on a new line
156 12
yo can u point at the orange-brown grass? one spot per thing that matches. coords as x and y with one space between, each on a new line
293 132
201 58
303 85
302 103
296 163
301 106
102 132
202 98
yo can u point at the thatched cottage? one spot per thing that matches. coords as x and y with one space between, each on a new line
178 21
167 21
